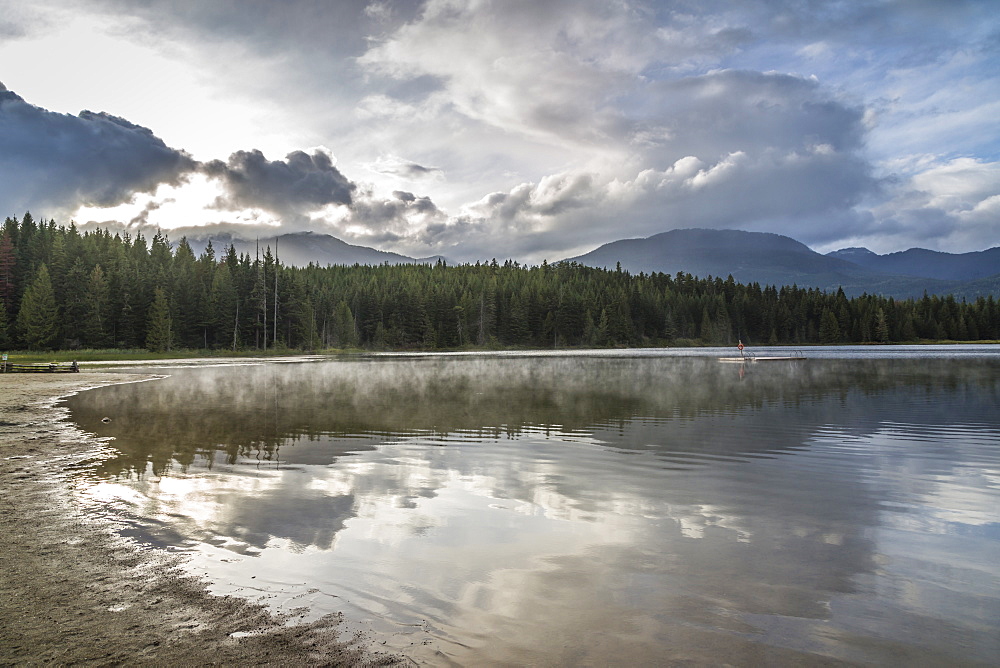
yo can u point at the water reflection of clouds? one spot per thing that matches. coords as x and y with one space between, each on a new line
239 508
516 506
941 476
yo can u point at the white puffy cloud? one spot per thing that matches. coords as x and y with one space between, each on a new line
574 209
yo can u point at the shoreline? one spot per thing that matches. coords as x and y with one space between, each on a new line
73 591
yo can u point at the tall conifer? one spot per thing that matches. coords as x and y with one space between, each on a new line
158 334
38 319
4 328
96 306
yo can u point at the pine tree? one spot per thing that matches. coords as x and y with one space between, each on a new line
707 328
603 327
669 326
224 307
73 297
589 329
345 333
881 327
38 319
95 334
186 298
487 317
829 327
518 329
8 261
158 336
4 327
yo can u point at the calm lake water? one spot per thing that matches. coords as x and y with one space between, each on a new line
607 508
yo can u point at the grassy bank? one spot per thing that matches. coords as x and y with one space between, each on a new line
114 355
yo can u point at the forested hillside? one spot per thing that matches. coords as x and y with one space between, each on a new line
63 289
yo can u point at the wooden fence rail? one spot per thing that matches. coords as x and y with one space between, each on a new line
10 367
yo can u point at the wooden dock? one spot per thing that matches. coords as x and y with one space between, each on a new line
52 367
747 356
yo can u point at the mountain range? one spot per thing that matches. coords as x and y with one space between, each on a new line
765 258
773 259
926 263
301 248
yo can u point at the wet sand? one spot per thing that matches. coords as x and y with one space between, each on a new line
72 591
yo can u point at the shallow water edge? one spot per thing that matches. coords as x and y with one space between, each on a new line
74 591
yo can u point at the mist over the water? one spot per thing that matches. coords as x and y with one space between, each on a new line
581 508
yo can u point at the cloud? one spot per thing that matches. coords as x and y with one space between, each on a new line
947 205
529 129
528 206
619 93
374 219
392 165
18 19
736 110
546 70
770 191
141 219
579 73
9 29
60 161
293 186
325 27
729 149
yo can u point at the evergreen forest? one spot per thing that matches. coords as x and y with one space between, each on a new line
60 289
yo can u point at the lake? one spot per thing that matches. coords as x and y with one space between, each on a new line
633 507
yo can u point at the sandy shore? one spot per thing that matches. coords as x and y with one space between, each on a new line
72 591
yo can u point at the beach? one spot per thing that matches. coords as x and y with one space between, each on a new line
74 591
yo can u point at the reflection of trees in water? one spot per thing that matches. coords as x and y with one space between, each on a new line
761 520
250 412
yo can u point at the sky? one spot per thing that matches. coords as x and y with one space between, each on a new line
479 129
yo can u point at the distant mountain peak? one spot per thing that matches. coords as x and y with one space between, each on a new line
852 252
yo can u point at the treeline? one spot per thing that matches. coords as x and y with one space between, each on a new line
63 289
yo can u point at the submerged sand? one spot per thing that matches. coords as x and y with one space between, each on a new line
73 591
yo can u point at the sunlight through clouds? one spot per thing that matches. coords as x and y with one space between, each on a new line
515 129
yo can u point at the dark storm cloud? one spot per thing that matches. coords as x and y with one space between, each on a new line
379 214
62 161
734 110
415 203
299 182
59 161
